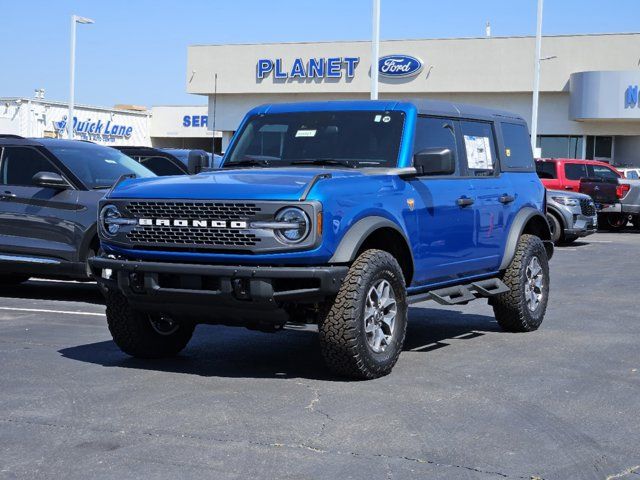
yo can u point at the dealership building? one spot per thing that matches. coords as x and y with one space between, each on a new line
589 100
171 126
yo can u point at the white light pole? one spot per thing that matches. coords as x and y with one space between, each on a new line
74 20
536 79
375 49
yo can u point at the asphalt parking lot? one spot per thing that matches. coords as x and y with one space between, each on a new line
465 401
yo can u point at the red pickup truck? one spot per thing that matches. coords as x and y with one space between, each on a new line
597 179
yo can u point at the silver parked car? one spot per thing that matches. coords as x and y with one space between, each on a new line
571 215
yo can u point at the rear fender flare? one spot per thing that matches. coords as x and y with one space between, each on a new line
523 217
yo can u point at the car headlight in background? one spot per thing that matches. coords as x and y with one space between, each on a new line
294 226
567 201
111 220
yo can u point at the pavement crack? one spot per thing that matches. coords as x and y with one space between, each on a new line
624 473
264 444
312 407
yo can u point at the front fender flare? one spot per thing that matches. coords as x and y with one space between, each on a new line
517 227
358 233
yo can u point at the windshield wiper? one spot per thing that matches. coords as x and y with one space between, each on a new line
326 161
249 162
101 187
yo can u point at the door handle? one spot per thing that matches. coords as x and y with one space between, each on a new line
465 201
7 196
507 198
568 188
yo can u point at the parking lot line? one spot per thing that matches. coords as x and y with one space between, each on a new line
40 310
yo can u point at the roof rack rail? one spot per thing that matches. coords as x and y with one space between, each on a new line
11 135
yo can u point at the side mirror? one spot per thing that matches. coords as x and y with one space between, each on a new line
198 160
434 161
50 180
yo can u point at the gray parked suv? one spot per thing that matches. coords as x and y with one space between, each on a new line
571 215
49 192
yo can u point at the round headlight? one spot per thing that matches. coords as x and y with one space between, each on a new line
300 225
109 216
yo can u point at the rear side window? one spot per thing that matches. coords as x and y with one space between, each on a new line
480 148
517 147
161 166
20 164
546 170
575 171
599 171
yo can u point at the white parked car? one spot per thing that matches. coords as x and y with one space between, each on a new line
630 173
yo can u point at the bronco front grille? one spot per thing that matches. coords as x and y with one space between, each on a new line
192 210
196 237
587 207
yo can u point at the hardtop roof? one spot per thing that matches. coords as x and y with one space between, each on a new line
423 107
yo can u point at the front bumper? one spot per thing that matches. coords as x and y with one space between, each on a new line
582 226
218 293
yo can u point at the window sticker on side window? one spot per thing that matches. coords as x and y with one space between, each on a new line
306 133
479 155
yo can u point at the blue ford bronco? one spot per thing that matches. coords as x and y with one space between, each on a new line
338 214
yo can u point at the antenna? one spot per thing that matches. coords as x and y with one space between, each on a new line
213 125
488 29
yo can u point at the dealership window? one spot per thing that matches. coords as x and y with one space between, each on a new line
560 146
599 148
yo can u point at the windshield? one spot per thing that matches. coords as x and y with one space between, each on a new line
97 166
346 138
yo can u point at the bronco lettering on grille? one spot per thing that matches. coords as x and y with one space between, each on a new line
165 222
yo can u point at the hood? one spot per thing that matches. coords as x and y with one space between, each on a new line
567 193
251 183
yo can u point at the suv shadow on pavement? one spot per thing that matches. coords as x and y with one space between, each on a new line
219 351
52 290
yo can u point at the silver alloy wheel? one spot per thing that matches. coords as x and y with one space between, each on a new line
164 325
380 315
534 286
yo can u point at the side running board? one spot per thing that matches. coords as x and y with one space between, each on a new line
462 294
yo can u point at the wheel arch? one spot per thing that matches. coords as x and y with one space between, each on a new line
89 240
376 233
527 221
558 214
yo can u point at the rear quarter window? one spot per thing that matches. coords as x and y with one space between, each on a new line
546 170
517 147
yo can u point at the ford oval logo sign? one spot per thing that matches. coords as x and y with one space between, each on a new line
399 66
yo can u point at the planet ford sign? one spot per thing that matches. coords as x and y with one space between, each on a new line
399 66
334 67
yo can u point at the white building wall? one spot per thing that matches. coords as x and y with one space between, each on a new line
38 118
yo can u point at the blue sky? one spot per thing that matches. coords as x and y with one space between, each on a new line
136 51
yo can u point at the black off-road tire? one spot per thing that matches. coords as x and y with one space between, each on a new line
511 309
133 333
555 227
613 222
342 326
13 279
